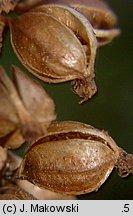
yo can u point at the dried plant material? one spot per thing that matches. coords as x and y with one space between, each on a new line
73 158
25 109
97 11
106 36
13 192
3 158
12 163
40 52
37 101
25 5
7 5
125 164
2 27
73 20
42 194
99 15
84 32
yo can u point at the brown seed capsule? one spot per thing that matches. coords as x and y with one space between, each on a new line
25 109
99 15
54 53
42 194
73 158
72 19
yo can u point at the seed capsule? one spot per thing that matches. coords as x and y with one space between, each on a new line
73 158
54 53
99 14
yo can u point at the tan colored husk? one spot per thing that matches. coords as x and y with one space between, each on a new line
12 164
98 12
71 159
42 194
41 56
75 62
99 15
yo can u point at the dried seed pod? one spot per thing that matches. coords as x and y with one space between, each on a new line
7 5
73 20
25 109
74 158
14 192
42 194
99 14
40 51
25 5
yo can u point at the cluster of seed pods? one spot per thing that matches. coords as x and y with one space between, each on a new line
57 42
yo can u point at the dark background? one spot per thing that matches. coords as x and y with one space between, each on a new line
112 108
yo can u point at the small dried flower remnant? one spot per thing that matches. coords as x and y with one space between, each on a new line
73 158
25 111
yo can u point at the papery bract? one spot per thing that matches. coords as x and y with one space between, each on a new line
25 109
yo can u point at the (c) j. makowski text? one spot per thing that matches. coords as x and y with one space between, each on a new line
40 208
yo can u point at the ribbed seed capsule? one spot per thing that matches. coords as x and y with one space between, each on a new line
73 158
99 15
53 52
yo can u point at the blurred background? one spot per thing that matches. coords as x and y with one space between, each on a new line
112 107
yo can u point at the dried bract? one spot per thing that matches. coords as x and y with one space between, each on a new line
25 109
7 5
73 158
